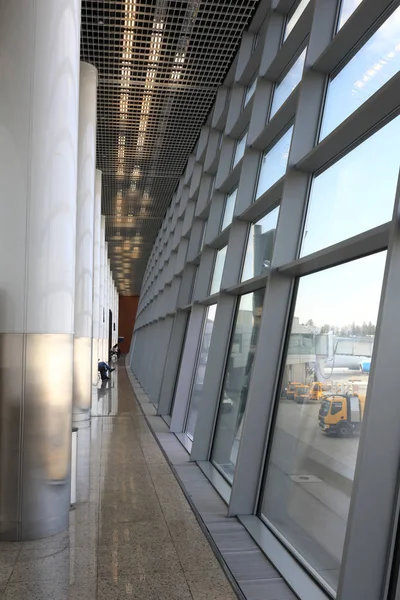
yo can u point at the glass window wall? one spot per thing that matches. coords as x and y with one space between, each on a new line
229 209
203 236
373 65
239 150
198 378
294 17
273 163
218 270
187 318
346 10
260 246
312 459
289 82
356 194
236 385
251 88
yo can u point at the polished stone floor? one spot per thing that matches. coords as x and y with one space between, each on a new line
132 533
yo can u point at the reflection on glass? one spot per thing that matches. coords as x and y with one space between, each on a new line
256 39
239 150
237 378
291 23
372 66
251 88
229 208
218 269
273 164
260 246
200 370
355 194
346 10
178 372
203 236
313 456
288 83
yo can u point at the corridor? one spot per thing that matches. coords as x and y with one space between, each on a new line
132 533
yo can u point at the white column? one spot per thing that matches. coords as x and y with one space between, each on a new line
102 289
39 91
84 244
112 310
109 304
116 314
105 320
96 276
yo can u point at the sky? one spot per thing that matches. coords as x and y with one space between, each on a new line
344 294
357 193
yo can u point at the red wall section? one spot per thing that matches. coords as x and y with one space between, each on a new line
127 315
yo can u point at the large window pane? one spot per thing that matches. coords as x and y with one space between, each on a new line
200 370
313 456
295 16
237 378
346 10
251 88
228 210
376 63
288 84
187 317
218 270
273 164
260 246
239 150
203 236
356 193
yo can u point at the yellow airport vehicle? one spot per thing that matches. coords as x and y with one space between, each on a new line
291 389
341 414
302 394
318 390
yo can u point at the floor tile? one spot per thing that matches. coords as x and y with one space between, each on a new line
132 534
126 534
146 558
84 589
144 588
59 565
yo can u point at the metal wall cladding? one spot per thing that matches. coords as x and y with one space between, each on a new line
35 434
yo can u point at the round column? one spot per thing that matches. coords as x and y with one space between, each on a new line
84 244
39 91
96 276
117 313
105 322
102 287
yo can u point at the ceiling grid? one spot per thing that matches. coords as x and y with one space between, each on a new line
160 63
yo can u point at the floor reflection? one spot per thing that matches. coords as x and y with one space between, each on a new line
131 533
105 397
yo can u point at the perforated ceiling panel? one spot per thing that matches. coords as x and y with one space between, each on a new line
160 63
